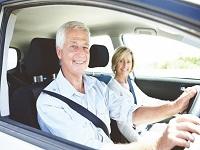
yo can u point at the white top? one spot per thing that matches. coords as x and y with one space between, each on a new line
142 99
56 117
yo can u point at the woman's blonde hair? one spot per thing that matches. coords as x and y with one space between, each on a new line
119 54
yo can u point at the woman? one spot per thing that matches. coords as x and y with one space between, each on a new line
121 84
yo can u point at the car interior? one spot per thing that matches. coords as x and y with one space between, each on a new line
32 36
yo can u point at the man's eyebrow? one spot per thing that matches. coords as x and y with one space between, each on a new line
86 44
73 42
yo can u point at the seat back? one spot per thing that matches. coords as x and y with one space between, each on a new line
40 65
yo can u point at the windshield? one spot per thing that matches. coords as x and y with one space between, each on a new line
193 1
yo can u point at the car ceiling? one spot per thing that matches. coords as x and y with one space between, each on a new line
43 21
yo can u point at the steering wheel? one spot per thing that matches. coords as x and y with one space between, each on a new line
194 105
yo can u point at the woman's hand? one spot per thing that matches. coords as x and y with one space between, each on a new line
181 103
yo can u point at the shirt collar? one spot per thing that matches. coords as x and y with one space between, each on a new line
89 82
65 87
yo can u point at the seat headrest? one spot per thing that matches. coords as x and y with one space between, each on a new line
99 56
41 58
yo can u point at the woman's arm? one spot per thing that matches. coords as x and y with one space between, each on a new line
151 114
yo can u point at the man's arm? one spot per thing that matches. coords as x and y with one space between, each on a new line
179 132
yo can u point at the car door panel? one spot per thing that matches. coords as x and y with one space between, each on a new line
164 88
25 137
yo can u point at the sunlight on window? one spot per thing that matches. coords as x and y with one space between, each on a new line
159 56
12 58
193 1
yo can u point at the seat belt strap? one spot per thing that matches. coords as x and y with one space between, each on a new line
81 110
132 90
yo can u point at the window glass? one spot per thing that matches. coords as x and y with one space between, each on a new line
12 58
106 41
160 56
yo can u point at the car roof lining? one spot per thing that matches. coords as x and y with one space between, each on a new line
32 20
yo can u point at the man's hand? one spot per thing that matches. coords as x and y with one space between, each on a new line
180 132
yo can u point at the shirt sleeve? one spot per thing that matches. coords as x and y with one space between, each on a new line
120 108
128 131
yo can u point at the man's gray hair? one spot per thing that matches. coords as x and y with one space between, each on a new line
61 33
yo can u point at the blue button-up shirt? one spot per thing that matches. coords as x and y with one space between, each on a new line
56 117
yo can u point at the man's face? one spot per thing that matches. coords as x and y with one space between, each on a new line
74 56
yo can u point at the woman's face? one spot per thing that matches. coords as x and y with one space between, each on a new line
124 66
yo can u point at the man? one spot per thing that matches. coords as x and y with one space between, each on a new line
56 117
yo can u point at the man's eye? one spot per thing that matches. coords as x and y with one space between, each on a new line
74 47
85 48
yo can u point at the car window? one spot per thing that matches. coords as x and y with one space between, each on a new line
159 56
33 19
12 58
106 41
193 1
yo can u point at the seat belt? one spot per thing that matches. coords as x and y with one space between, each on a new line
131 89
148 127
81 110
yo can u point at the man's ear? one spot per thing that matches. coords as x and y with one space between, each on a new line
59 52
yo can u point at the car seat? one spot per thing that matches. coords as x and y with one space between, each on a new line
40 65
